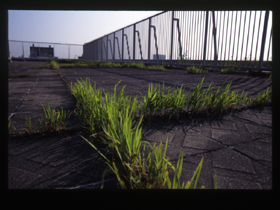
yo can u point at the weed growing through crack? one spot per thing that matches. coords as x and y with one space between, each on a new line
113 117
115 122
54 65
29 125
160 68
10 125
196 70
41 125
56 119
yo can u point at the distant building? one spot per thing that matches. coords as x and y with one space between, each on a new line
160 57
41 52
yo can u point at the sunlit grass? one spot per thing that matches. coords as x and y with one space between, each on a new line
113 117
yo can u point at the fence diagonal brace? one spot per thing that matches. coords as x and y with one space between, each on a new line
127 46
111 47
118 47
155 35
139 45
179 36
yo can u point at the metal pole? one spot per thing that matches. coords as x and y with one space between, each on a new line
215 41
149 39
205 39
106 46
101 49
122 43
22 50
171 49
68 51
114 48
134 27
263 40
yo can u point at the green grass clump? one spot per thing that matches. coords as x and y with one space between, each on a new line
117 120
113 118
54 65
196 70
70 65
160 68
56 119
227 70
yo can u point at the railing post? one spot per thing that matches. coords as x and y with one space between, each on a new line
215 40
149 40
134 27
171 49
263 40
114 48
179 36
22 50
205 38
101 49
68 51
155 36
122 43
106 48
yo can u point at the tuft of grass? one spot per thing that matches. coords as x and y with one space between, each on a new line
10 125
68 65
262 98
117 120
54 65
56 119
160 68
29 125
41 125
196 70
113 119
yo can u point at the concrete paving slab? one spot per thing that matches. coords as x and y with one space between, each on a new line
237 146
228 159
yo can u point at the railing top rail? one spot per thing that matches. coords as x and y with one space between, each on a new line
45 42
129 26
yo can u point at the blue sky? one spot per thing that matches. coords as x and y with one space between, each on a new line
74 27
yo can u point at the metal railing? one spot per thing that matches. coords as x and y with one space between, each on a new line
44 50
216 39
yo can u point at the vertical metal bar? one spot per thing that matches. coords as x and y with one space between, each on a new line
269 46
114 47
195 36
248 39
101 49
240 62
22 50
122 43
253 38
134 28
230 38
201 36
215 41
205 38
258 38
171 49
149 39
226 40
219 45
68 51
263 40
238 38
